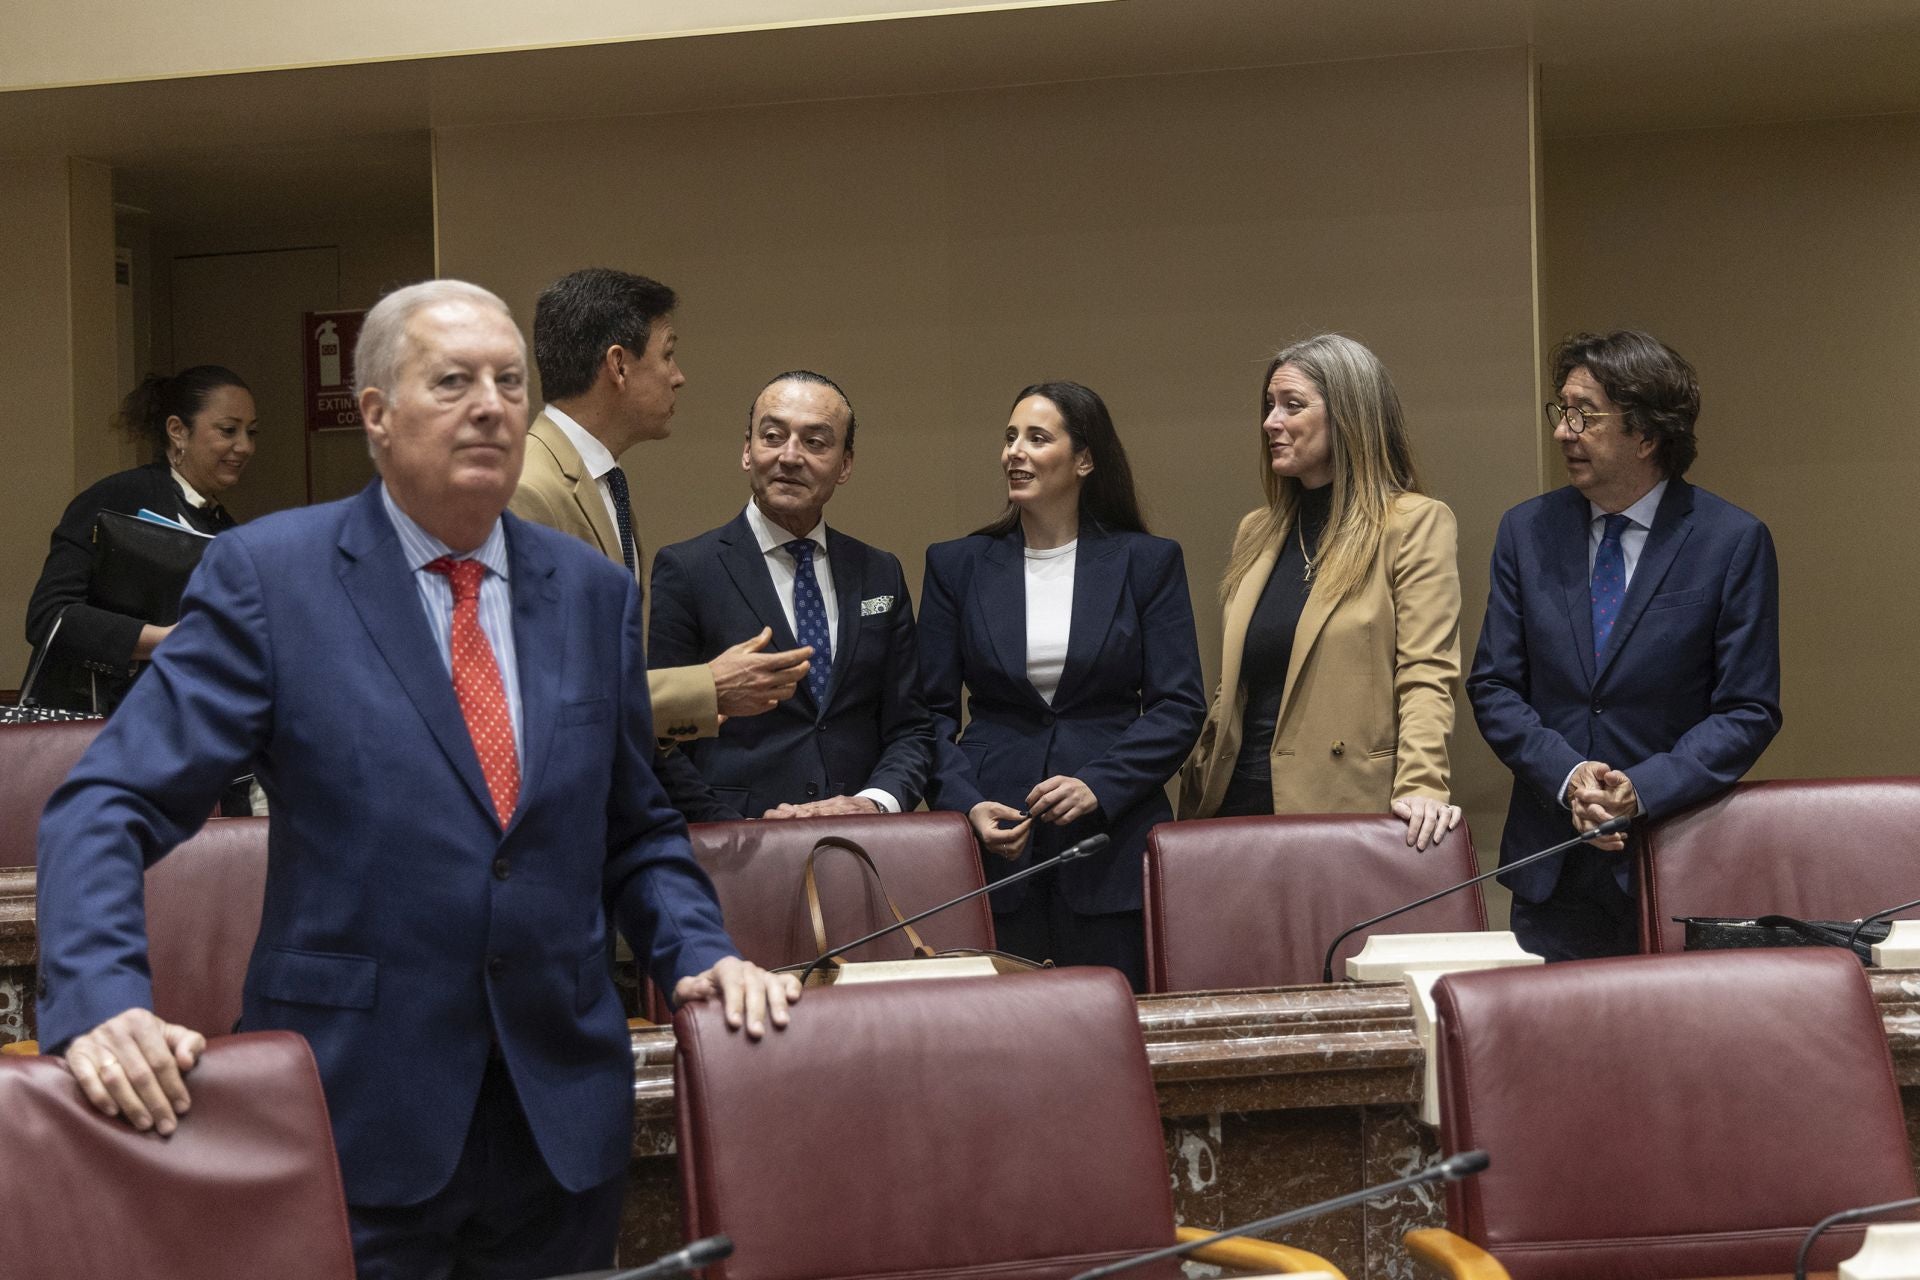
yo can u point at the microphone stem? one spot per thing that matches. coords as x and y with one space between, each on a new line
1845 1215
1858 925
1326 969
1065 855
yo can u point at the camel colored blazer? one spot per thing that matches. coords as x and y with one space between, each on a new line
1368 702
556 491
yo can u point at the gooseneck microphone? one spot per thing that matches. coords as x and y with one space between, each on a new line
1091 845
1843 1217
1452 1169
1612 826
679 1262
1863 922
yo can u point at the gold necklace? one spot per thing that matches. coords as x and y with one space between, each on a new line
1299 527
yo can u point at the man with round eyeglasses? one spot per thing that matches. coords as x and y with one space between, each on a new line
1629 663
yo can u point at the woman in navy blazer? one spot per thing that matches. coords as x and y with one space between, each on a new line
1071 630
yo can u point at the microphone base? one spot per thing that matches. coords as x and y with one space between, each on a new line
1901 950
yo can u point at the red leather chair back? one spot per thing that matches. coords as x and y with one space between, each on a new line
1816 848
1253 902
247 1186
758 870
34 760
203 913
1683 1115
979 1126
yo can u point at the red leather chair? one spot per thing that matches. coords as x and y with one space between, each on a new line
1683 1115
1253 902
247 1186
34 760
203 914
1817 848
758 870
962 1126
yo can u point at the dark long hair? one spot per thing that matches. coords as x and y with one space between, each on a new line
144 413
1106 496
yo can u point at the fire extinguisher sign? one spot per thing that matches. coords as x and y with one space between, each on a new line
328 338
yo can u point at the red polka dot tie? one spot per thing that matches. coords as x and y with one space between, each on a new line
476 682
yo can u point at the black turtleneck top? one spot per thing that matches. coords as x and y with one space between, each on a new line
1269 648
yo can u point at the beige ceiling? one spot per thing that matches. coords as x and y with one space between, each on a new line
1607 66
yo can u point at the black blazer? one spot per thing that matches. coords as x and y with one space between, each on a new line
713 591
93 652
1126 714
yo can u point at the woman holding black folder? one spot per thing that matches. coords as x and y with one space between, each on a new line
201 425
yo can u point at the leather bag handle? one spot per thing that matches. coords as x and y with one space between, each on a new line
920 949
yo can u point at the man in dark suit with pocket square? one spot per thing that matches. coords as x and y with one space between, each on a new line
1629 664
855 737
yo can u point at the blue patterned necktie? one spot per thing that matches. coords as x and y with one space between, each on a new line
1609 584
810 617
622 513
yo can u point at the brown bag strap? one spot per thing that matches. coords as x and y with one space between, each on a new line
920 948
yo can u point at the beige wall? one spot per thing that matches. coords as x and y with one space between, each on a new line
1784 262
57 359
1155 238
58 42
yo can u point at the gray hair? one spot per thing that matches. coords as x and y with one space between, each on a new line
382 347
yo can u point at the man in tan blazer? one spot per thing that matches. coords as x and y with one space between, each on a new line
604 346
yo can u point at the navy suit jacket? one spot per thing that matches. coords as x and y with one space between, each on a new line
403 931
1686 695
712 592
1126 714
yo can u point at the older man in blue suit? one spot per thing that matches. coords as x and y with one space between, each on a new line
856 737
448 710
1630 659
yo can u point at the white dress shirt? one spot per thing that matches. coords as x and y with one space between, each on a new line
1049 615
598 460
773 542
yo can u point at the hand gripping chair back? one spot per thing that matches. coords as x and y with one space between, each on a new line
247 1186
1668 1115
758 871
1818 849
1253 902
999 1126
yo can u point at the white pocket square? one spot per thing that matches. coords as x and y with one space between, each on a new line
874 605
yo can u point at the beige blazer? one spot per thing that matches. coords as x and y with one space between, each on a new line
1368 702
556 491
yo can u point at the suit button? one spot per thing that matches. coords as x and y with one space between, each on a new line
1597 708
495 966
1047 719
813 789
500 868
1339 748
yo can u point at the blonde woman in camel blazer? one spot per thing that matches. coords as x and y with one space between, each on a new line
1342 614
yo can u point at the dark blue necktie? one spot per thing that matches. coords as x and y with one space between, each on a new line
810 617
1609 584
622 514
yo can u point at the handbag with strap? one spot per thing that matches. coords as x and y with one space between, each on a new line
1731 933
925 960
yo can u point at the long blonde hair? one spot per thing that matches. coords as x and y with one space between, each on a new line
1372 465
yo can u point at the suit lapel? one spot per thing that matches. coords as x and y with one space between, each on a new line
1001 587
1672 523
746 565
539 641
1099 573
1313 619
373 572
849 589
1563 535
586 494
